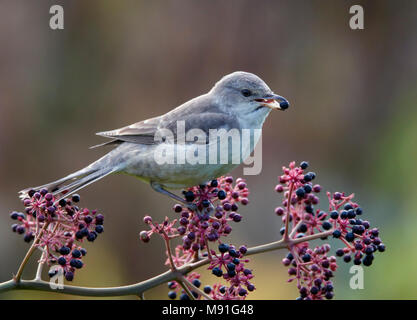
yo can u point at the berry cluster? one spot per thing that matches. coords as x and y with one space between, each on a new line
57 228
230 265
216 206
312 268
301 191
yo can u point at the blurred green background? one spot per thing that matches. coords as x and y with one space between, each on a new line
353 116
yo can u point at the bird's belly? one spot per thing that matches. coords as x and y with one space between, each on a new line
180 175
143 163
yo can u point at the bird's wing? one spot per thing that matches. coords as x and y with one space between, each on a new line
204 122
140 132
198 113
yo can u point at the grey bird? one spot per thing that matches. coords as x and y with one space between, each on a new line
239 101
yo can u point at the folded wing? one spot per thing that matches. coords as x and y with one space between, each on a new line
140 132
198 113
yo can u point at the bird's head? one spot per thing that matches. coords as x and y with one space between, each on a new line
247 95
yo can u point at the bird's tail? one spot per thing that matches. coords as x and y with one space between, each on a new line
68 185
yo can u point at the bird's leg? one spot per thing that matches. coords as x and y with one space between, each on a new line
157 187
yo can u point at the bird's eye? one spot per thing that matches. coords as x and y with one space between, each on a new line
246 92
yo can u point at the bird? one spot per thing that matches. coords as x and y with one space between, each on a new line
238 101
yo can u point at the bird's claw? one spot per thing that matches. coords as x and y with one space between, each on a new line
192 206
210 208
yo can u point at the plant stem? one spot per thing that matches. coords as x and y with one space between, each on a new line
287 218
40 266
140 287
29 253
208 248
186 289
44 255
169 253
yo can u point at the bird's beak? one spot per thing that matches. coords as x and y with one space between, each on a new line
274 102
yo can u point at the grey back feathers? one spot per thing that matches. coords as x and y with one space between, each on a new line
208 111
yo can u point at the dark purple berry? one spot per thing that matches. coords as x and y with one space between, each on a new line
14 215
20 229
337 234
247 272
351 214
189 196
76 253
367 261
314 290
177 208
223 247
242 292
231 266
237 218
233 253
329 295
348 207
217 272
64 250
29 237
349 237
207 289
300 192
334 215
184 296
326 225
76 263
69 276
221 194
243 249
306 257
302 228
62 261
340 252
100 218
308 188
317 188
205 203
197 283
337 196
304 165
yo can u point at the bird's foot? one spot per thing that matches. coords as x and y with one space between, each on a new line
191 206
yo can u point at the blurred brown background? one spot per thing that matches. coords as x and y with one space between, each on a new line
353 115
